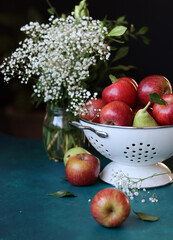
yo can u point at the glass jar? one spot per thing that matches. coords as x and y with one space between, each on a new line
58 135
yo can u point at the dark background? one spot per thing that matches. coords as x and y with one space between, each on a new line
155 58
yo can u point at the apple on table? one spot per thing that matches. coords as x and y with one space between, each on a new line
110 207
82 169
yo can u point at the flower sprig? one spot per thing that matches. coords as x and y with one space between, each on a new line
132 186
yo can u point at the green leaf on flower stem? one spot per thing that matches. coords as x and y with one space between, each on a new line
113 48
145 40
122 52
121 20
146 217
156 98
51 11
143 30
113 78
123 67
81 10
118 41
62 193
117 31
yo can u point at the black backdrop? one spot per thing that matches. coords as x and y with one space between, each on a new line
156 14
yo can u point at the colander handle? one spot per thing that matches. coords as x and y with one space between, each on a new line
79 126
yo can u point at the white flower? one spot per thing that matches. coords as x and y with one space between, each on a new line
60 54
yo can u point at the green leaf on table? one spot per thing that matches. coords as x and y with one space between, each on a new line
117 31
64 178
156 98
62 193
146 217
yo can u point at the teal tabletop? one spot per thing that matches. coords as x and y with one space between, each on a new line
27 212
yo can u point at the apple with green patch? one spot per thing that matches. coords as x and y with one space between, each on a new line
82 169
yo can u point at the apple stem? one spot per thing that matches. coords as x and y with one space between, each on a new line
113 78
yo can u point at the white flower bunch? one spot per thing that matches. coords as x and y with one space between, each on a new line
58 55
132 186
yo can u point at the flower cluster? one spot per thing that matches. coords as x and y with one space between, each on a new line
58 56
132 186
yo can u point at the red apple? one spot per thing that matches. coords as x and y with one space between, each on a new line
82 169
122 90
110 207
130 80
164 113
154 83
91 110
117 113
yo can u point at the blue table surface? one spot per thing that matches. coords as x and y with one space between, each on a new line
27 212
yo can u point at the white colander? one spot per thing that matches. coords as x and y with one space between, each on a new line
136 152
